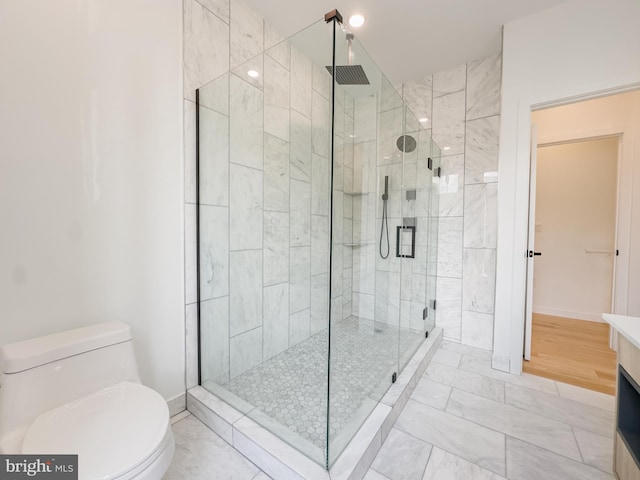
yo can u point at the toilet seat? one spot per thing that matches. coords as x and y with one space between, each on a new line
117 432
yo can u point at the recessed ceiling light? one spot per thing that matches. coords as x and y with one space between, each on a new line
423 119
446 148
356 20
253 73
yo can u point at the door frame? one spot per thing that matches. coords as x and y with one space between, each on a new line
512 230
567 139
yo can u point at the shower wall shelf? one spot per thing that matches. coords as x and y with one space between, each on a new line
356 194
357 244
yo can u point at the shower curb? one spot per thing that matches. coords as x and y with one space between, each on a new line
280 460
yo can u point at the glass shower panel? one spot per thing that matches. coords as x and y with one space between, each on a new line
264 214
432 251
366 298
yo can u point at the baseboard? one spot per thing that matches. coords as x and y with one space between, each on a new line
557 312
177 404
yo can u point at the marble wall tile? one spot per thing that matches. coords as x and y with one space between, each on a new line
402 456
418 96
320 124
483 87
320 185
449 311
276 99
481 150
338 218
364 270
322 81
299 326
390 96
214 331
450 231
481 215
531 428
336 271
246 33
448 122
219 7
276 248
364 119
214 158
246 214
445 465
465 439
362 154
191 344
276 46
478 282
450 81
245 351
215 95
272 37
275 323
245 291
214 252
276 174
189 132
319 303
299 279
206 47
301 81
255 63
319 244
300 208
364 305
245 124
390 127
300 154
528 462
451 187
387 298
477 330
190 246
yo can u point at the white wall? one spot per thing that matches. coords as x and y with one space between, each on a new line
579 48
575 212
91 174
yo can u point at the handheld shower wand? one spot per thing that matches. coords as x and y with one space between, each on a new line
385 219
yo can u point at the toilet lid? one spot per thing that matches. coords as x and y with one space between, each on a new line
112 430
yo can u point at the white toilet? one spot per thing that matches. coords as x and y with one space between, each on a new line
79 392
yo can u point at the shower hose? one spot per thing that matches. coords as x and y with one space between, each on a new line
385 225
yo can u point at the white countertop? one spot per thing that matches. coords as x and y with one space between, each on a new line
629 327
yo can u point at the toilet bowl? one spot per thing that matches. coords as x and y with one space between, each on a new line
78 392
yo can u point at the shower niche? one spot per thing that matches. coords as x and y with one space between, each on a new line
314 181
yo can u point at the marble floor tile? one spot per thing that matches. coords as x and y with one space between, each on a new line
431 393
528 462
373 475
402 457
482 366
445 466
466 439
447 357
527 426
467 351
588 397
203 455
466 381
568 411
596 450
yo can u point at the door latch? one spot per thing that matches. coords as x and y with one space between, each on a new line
536 254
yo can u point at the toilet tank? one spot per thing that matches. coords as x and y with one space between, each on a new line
45 372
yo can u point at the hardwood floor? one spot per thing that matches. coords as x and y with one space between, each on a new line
572 351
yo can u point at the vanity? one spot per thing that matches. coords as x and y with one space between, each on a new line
626 448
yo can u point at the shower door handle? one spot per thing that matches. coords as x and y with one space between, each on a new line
399 230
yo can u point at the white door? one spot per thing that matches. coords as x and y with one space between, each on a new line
531 254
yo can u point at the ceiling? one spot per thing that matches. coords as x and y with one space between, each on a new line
412 38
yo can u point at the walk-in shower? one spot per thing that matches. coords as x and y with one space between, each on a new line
303 325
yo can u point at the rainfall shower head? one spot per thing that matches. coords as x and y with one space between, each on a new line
406 143
349 74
